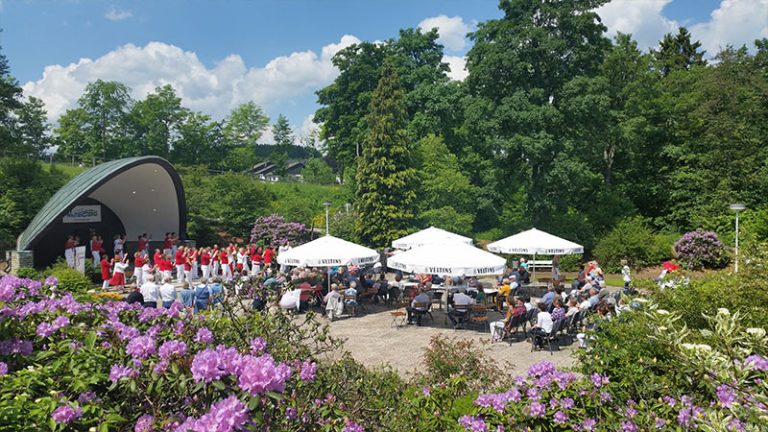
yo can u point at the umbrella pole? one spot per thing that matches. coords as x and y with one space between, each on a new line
534 266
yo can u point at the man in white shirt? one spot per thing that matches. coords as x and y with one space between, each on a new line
461 304
419 306
150 291
167 293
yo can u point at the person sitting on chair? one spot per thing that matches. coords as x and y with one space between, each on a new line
542 328
422 300
334 306
461 303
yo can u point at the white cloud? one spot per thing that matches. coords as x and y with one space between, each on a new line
735 22
452 30
643 19
117 14
214 90
458 69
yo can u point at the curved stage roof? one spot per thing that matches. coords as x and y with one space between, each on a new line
144 192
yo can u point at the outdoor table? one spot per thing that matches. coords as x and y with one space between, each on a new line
445 290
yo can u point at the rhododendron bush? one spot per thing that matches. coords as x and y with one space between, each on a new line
114 366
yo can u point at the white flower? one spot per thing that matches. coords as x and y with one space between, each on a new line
723 311
757 332
688 346
703 348
662 312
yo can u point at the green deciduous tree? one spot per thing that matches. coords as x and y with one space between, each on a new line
33 129
70 135
245 125
199 141
156 121
316 171
446 196
106 105
385 178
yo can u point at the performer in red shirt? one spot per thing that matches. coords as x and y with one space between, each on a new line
105 266
255 260
269 255
138 263
179 260
167 244
69 251
157 257
188 257
142 244
95 251
205 262
225 268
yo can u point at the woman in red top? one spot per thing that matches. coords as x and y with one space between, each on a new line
255 260
105 265
157 257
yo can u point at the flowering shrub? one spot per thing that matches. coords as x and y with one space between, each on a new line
701 249
273 229
116 366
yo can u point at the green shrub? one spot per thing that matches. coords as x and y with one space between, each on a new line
633 240
28 273
69 279
570 263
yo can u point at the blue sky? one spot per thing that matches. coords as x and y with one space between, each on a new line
219 54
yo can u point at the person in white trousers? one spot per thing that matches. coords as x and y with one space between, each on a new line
205 263
179 262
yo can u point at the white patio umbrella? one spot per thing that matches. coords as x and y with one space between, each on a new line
427 236
328 251
448 258
534 242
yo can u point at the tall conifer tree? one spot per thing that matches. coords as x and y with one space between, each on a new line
384 176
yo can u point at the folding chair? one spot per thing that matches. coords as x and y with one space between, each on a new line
479 315
422 310
398 318
461 314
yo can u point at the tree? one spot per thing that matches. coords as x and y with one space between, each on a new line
106 105
518 67
282 132
70 135
199 141
446 196
678 52
384 176
316 171
283 136
157 119
417 58
245 125
10 94
34 132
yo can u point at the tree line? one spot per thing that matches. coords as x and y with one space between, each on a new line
556 126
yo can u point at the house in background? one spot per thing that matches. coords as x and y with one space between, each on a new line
267 171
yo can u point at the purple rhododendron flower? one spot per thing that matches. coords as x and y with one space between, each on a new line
3 368
204 336
599 380
352 427
725 396
65 414
426 391
86 397
141 347
118 372
588 424
45 329
536 409
560 417
628 426
308 371
144 424
474 424
261 374
51 281
172 348
758 362
205 366
541 368
258 345
160 367
566 403
224 416
290 413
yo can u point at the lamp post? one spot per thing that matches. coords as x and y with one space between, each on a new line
737 207
327 204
